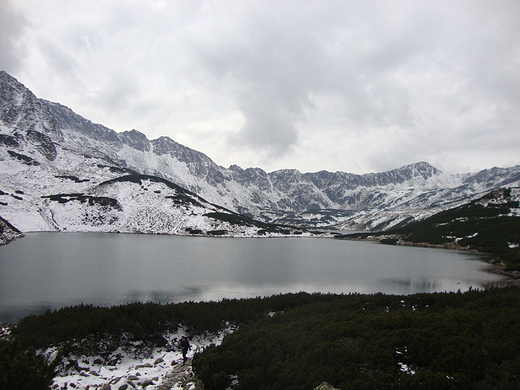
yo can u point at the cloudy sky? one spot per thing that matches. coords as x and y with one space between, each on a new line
356 86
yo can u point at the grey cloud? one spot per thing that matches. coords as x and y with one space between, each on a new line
117 92
269 125
388 82
58 57
273 66
278 61
12 24
376 59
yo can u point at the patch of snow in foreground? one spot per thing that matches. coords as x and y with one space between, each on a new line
163 369
405 368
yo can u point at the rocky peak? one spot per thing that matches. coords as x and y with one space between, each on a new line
235 168
66 119
251 177
421 169
18 106
496 177
136 140
418 170
284 180
11 90
199 164
165 145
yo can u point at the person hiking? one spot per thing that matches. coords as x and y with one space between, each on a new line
185 346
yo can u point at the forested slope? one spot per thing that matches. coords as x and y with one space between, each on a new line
467 340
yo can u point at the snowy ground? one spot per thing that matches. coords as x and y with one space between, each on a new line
162 370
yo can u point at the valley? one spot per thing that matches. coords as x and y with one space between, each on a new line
63 173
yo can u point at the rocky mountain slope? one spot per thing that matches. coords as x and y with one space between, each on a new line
488 224
57 179
106 198
58 172
8 232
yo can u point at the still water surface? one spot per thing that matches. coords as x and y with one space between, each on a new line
52 270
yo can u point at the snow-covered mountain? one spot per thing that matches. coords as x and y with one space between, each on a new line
60 171
417 197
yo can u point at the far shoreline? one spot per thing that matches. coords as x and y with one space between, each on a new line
494 265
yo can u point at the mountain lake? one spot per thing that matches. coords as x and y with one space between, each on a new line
50 270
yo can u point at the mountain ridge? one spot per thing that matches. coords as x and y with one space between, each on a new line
50 135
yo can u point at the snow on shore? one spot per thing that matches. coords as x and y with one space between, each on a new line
162 369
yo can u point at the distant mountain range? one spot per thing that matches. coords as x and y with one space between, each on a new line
61 172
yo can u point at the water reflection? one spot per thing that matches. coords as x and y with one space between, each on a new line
410 285
187 293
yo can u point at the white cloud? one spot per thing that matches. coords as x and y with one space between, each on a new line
336 85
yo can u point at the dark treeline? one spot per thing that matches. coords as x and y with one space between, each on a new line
296 341
425 341
142 320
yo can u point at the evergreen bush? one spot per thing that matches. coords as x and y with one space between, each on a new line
297 341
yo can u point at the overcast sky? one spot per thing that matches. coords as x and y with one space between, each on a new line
355 86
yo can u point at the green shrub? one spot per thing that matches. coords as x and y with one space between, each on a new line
21 369
448 340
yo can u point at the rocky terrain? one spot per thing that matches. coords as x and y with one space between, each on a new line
8 232
163 369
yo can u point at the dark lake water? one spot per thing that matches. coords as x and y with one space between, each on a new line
52 270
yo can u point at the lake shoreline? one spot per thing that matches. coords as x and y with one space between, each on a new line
494 267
